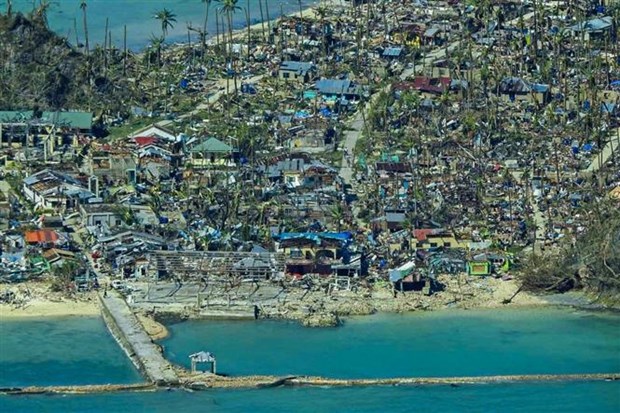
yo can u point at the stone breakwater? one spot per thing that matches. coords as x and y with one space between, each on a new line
80 389
131 336
197 382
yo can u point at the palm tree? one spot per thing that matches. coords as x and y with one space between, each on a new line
337 215
206 22
83 6
321 13
156 44
230 7
167 19
411 102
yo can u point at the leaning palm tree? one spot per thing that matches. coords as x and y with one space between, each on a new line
83 6
167 19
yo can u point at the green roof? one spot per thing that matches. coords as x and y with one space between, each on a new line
212 145
79 120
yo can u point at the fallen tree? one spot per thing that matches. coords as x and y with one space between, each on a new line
591 261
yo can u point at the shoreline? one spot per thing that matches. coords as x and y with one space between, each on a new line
240 33
35 300
309 12
89 307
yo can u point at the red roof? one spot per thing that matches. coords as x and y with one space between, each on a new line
436 85
144 140
41 236
422 234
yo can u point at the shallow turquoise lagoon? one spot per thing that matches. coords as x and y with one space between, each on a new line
449 343
80 351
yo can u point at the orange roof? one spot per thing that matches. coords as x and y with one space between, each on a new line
41 236
422 234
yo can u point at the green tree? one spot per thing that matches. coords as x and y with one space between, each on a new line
229 8
156 45
337 214
167 19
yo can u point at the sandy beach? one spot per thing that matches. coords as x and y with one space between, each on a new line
42 308
36 300
154 329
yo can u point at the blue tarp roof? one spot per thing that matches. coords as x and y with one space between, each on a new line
608 107
539 87
593 25
392 51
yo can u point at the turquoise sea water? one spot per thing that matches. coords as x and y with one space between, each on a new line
58 351
79 350
138 16
519 398
457 343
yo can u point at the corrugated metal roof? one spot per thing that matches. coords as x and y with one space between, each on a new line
212 145
333 86
41 236
298 67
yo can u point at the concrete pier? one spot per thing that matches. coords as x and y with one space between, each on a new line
130 334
